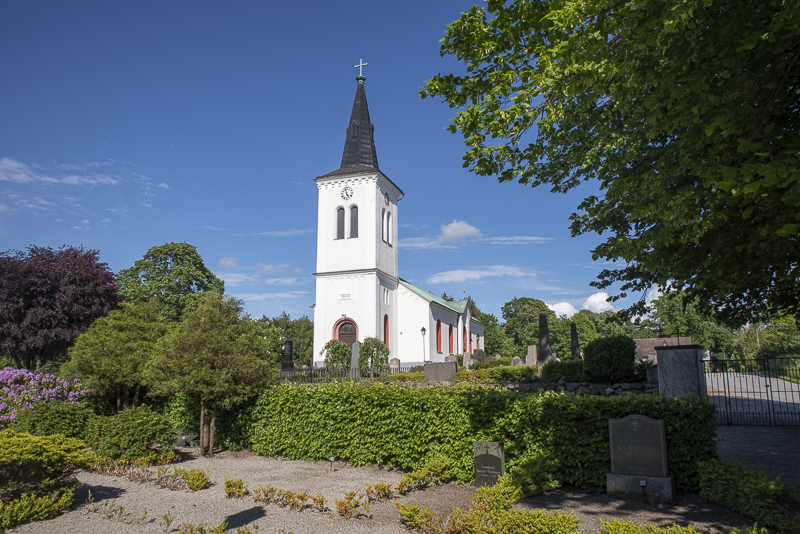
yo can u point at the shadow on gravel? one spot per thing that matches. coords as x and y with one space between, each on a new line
245 517
99 493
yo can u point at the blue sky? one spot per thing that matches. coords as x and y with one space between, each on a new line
128 125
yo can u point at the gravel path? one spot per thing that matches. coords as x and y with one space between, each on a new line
211 505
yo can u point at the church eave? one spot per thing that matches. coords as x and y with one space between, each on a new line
357 171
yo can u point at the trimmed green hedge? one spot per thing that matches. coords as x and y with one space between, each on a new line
381 424
568 371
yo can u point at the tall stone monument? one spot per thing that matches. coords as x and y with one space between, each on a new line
545 352
574 344
354 352
287 363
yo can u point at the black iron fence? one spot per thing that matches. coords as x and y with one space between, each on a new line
755 392
326 375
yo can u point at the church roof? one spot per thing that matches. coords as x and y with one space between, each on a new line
359 153
457 306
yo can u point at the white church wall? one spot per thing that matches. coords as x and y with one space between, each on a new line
414 313
446 317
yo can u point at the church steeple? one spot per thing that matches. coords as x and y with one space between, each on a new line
359 146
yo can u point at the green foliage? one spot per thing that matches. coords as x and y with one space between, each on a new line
418 376
751 493
572 430
489 363
533 475
48 418
495 339
182 410
215 356
203 528
173 273
132 434
195 478
301 332
569 371
640 370
688 188
610 359
374 354
29 507
111 356
235 489
336 354
440 466
521 317
38 465
615 526
381 424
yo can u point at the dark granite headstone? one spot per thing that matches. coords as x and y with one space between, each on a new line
638 446
287 364
490 462
575 346
544 339
185 437
478 355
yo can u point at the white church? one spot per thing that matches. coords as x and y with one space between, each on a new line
359 293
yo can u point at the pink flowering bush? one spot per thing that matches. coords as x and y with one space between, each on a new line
21 389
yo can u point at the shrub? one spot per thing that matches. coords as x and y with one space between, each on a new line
640 371
336 354
533 475
568 371
21 389
515 374
408 377
131 434
32 508
235 489
615 526
751 493
48 418
380 424
610 359
195 478
38 465
374 354
488 363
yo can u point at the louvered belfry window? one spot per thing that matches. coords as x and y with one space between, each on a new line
340 223
354 221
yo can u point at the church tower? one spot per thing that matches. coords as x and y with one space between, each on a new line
356 273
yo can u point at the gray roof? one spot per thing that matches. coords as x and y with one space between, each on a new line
359 147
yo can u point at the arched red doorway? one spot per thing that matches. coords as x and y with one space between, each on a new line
346 331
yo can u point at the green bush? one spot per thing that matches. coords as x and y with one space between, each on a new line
615 526
195 478
336 354
640 370
48 418
32 508
418 376
491 362
610 359
568 371
496 375
38 465
383 424
751 493
534 474
374 354
131 434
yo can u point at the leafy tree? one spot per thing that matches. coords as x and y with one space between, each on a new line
110 357
301 332
48 298
685 114
495 340
272 335
521 317
215 356
336 354
374 354
174 273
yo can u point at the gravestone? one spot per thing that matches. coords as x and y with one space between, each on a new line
441 372
490 462
680 370
516 361
532 356
450 359
545 352
394 363
477 355
354 350
639 460
467 361
575 346
287 363
186 436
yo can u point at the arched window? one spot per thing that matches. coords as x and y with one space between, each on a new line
347 333
464 340
438 335
340 223
383 225
451 339
354 221
389 228
386 330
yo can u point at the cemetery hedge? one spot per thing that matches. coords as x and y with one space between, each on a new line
399 427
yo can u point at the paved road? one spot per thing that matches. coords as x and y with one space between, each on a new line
774 450
753 398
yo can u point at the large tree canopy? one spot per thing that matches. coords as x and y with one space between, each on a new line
174 273
685 113
50 297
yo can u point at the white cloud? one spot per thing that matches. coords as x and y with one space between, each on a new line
212 228
234 279
86 221
563 308
298 270
517 240
464 275
105 221
654 294
457 230
14 171
119 211
272 269
228 263
597 303
163 185
422 243
3 208
290 281
265 296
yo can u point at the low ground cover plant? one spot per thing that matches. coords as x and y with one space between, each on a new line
235 489
37 475
752 493
21 389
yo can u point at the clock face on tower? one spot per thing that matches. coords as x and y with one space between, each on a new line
347 192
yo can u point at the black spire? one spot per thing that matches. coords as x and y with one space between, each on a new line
359 147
